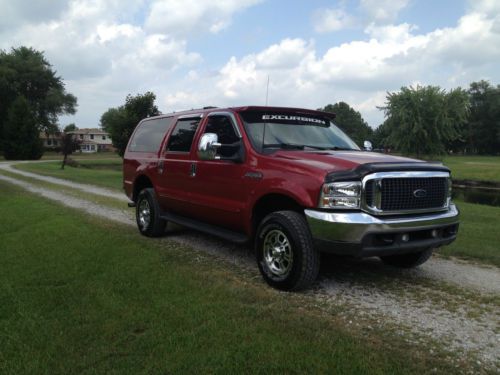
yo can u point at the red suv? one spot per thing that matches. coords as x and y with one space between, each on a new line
290 181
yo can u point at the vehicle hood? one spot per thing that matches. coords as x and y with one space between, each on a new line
331 161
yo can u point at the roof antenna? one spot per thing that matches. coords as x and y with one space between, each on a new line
267 90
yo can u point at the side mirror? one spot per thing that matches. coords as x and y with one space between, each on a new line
209 145
367 145
207 148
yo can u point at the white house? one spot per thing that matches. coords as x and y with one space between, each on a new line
93 140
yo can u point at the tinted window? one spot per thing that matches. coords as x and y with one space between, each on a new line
222 126
183 134
149 135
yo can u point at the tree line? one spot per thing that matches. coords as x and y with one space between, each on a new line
427 120
420 120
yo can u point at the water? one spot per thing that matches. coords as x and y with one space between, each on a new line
489 197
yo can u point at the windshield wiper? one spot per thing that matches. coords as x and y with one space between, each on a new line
286 146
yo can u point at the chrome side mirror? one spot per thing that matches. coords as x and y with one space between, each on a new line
367 145
207 148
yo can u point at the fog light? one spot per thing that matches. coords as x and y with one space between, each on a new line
405 237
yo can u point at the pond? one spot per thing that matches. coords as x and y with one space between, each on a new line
490 197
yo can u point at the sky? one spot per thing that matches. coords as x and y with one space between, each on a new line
195 53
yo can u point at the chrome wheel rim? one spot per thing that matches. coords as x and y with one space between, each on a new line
278 255
144 214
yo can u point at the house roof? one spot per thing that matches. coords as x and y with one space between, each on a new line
89 131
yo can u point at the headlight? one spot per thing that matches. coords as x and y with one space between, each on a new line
341 195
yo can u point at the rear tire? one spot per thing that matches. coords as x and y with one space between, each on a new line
147 214
285 253
408 260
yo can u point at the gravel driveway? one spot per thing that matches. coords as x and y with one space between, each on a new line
451 301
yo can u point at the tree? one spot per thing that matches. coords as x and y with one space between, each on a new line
69 144
120 122
482 132
423 120
70 128
25 72
350 121
22 137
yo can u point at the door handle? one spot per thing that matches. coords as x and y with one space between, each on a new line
192 170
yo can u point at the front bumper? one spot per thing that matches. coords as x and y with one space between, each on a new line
361 234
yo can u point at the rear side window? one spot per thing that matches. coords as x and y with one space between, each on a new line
183 134
149 135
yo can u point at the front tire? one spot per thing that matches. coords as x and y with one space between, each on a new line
147 214
285 253
408 260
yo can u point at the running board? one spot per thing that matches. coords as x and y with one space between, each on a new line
206 228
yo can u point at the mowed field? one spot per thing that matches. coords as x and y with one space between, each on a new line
477 168
80 294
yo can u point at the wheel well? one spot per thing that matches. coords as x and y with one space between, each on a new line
271 203
140 183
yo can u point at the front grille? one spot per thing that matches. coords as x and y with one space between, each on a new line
405 194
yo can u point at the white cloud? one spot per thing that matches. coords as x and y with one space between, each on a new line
333 19
383 11
180 17
105 49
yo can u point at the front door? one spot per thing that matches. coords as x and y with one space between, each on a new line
218 190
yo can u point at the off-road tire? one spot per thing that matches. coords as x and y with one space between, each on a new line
408 260
304 267
147 202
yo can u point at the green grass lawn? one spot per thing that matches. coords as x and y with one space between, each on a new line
82 295
479 168
50 155
105 173
478 236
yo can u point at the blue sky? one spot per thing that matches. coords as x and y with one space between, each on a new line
193 53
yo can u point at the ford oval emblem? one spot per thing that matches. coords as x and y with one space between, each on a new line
420 193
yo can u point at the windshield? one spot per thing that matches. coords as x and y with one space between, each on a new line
294 131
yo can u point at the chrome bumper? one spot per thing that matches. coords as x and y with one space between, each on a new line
355 227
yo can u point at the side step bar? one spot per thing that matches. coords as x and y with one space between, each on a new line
206 228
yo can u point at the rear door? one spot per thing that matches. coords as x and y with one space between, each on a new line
175 166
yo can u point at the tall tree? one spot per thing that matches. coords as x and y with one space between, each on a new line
120 122
22 137
483 128
25 72
423 120
350 121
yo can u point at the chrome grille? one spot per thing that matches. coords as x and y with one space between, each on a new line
405 192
